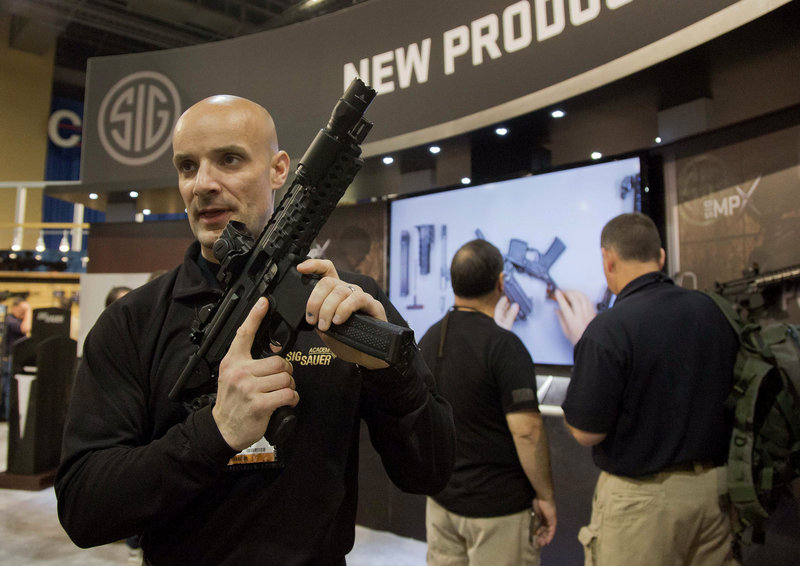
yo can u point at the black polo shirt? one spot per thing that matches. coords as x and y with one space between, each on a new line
653 373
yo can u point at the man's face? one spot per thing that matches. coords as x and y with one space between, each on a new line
221 151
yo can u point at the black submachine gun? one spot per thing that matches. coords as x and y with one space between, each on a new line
266 267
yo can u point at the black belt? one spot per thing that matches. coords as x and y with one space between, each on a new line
689 467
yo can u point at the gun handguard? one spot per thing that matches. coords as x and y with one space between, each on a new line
267 266
757 281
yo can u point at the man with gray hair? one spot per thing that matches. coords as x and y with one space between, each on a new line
498 507
647 392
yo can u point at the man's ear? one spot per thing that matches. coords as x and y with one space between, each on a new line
609 260
661 259
279 169
611 268
501 283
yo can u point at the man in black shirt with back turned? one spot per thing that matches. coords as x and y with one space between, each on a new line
502 471
647 392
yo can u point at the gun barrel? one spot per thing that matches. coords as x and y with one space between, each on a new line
756 283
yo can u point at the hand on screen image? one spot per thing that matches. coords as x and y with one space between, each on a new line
505 313
575 312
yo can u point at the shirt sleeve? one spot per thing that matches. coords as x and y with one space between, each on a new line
108 461
515 374
410 424
596 387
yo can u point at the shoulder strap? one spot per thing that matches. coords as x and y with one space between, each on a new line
749 333
727 309
440 350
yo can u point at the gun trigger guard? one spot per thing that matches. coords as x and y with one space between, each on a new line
289 343
286 345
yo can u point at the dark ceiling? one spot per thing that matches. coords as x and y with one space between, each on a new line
90 28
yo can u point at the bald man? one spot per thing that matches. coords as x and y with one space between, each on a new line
134 462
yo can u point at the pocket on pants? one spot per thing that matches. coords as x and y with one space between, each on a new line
626 508
588 539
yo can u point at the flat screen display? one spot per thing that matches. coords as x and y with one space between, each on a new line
547 227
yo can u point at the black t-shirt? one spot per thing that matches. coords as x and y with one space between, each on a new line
485 372
653 373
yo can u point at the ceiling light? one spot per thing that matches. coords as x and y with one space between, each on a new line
434 149
388 160
133 194
658 139
16 243
146 211
501 131
558 113
40 242
465 180
64 245
94 196
596 155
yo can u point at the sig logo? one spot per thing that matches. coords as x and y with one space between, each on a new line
136 117
730 205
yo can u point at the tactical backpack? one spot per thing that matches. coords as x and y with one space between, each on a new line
764 455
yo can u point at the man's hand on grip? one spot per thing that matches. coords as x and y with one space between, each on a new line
249 390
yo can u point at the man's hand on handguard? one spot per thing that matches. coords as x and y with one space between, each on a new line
249 390
332 302
575 312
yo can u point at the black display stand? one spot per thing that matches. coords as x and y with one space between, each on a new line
42 370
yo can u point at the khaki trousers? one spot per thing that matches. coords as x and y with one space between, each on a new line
454 540
667 519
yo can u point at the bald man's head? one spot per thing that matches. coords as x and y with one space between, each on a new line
234 106
225 150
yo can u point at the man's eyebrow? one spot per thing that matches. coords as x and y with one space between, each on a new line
232 148
178 157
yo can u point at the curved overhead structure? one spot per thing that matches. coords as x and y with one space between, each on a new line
462 66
